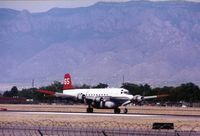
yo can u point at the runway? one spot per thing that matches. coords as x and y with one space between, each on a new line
20 122
83 114
133 115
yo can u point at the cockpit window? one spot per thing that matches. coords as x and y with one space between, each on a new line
124 92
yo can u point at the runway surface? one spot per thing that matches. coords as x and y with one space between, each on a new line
92 124
191 117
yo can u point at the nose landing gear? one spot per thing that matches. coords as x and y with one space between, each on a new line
118 110
125 111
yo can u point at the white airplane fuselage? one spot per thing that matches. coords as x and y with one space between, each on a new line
101 98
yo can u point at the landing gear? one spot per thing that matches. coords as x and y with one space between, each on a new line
117 110
125 111
89 110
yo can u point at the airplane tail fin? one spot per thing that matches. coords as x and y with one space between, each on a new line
67 82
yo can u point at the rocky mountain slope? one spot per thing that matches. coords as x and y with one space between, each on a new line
147 42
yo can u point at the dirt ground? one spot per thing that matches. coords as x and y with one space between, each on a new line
82 108
100 121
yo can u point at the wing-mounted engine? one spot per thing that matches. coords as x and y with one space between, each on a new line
109 104
81 98
103 102
98 102
138 98
98 99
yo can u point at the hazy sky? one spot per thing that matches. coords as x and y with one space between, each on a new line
44 5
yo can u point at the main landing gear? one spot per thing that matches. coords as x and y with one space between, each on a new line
118 110
89 109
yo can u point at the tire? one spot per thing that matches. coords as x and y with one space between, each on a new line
125 111
117 110
89 110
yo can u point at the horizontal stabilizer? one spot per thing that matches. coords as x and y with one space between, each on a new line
46 92
55 94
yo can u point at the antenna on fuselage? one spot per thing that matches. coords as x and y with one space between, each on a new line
123 79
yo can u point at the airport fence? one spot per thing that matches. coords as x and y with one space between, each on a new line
52 128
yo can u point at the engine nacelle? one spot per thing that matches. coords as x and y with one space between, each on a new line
109 104
81 97
138 98
98 99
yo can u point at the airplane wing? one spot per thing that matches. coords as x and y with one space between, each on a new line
139 98
155 96
149 97
55 94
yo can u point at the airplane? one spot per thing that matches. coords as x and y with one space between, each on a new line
100 98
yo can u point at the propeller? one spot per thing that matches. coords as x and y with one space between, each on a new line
139 98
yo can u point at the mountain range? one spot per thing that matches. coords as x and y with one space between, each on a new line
146 42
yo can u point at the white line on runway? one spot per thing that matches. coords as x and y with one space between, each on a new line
87 114
103 115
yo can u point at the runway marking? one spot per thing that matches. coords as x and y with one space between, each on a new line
187 117
87 114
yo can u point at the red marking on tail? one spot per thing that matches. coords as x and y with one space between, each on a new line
67 82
